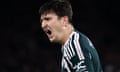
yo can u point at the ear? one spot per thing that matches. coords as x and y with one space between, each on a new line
65 21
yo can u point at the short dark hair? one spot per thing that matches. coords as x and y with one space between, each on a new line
59 7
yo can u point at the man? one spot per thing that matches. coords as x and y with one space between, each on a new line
79 55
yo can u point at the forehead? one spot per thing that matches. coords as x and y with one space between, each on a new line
46 15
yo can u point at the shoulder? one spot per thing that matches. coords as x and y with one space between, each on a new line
82 35
84 39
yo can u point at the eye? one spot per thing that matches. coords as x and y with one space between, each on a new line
47 19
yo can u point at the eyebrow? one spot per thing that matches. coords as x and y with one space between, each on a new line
45 18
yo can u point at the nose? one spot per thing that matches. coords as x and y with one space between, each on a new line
43 24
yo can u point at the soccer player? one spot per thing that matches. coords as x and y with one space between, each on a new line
78 52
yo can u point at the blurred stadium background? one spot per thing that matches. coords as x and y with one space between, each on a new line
25 47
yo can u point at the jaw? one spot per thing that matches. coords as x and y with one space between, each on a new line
53 38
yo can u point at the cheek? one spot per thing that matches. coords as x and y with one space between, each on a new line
51 23
56 25
58 28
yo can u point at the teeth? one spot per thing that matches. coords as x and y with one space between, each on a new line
49 32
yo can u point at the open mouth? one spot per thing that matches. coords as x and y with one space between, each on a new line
48 32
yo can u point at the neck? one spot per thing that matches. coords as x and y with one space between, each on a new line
67 33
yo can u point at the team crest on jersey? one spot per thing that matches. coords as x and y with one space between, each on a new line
80 67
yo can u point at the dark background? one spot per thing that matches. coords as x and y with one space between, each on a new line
25 48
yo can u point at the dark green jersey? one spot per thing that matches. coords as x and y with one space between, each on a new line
79 55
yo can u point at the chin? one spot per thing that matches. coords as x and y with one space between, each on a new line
51 40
